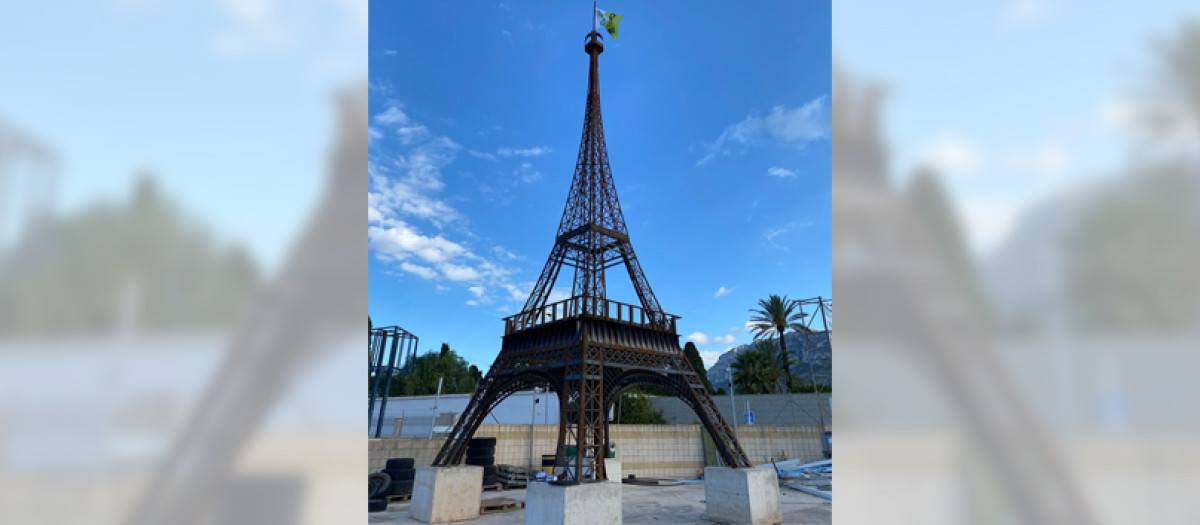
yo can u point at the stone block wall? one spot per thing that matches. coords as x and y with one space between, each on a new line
645 450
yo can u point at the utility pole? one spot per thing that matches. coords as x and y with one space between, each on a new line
733 406
532 422
435 404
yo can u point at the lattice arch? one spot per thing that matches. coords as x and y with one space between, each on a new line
588 348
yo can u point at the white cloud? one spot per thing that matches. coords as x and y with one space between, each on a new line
392 116
1048 159
405 179
802 124
723 291
518 293
424 272
257 26
404 198
397 241
724 339
710 358
795 126
472 302
699 338
481 155
537 151
456 272
951 156
781 172
1166 119
410 134
557 294
527 174
1024 12
987 220
773 235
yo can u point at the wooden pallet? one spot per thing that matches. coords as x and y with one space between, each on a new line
399 499
650 482
513 476
516 471
489 506
523 479
494 486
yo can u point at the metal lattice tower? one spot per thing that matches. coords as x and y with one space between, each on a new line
589 349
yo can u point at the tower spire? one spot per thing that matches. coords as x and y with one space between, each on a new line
592 235
589 349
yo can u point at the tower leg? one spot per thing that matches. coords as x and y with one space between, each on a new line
477 408
689 389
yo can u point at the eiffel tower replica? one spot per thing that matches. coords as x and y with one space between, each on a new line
587 348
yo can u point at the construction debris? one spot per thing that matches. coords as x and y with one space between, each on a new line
489 506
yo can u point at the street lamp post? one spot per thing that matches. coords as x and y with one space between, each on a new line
733 406
532 422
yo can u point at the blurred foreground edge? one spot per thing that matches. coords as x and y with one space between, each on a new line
318 299
900 296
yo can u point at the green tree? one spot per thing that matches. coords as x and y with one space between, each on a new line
693 356
1132 261
806 387
1133 258
755 371
635 409
140 264
458 376
768 347
774 316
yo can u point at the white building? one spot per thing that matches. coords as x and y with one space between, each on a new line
417 412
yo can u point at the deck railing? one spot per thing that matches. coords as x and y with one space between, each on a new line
583 306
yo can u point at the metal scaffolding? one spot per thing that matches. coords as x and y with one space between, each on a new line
391 351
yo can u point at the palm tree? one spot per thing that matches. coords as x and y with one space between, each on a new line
769 348
755 371
774 316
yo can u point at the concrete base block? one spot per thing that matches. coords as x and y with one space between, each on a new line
612 470
442 494
584 504
742 496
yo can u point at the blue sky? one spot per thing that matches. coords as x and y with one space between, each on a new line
717 126
231 105
1013 100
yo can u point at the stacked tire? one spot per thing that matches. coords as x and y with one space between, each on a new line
481 452
401 472
380 485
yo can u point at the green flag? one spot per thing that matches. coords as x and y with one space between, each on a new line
608 21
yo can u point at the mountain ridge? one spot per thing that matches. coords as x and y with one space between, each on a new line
819 352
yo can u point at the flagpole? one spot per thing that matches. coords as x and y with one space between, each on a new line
594 17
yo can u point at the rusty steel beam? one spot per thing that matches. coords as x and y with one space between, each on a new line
588 349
